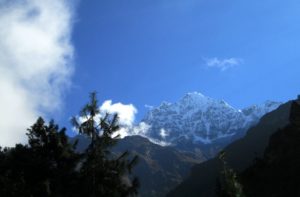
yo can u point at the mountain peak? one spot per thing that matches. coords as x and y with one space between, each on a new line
193 100
194 94
201 118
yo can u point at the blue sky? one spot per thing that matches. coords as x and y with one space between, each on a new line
143 52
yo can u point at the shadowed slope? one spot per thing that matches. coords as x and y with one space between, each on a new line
240 155
277 174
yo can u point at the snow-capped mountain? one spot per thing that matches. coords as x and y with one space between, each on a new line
202 119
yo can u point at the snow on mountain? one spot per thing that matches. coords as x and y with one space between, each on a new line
255 112
202 119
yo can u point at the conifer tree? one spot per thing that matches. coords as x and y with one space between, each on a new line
49 166
43 167
103 173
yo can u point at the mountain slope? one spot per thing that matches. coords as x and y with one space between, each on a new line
159 168
240 155
277 174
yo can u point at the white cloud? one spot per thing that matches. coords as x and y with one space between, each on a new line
126 116
141 129
35 62
163 133
126 113
223 64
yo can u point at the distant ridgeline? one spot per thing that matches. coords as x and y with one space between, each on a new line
267 159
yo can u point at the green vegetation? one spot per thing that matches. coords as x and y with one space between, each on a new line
49 166
228 185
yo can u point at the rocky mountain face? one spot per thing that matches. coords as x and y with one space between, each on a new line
239 155
200 122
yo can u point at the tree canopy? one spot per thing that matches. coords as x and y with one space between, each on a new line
49 165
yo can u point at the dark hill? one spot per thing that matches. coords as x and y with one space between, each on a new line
277 174
240 155
159 169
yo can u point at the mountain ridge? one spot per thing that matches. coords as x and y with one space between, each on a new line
240 154
202 119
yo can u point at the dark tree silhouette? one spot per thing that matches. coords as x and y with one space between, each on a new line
44 167
49 166
103 173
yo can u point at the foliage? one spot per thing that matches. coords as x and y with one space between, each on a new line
49 166
44 167
228 185
102 173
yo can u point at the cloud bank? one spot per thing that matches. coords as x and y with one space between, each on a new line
223 64
35 62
